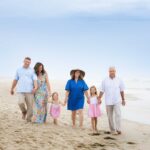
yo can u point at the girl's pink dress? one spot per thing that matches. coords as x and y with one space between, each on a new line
55 111
94 108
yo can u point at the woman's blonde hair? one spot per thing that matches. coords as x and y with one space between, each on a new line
92 88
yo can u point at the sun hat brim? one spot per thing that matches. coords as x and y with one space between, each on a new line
74 70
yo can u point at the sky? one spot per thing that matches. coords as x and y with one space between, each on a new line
67 34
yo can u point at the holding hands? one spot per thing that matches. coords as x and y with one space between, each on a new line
49 94
66 98
88 100
123 102
99 100
65 101
12 92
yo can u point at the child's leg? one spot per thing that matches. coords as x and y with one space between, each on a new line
95 123
74 118
55 121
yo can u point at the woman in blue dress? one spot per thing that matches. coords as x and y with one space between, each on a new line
75 90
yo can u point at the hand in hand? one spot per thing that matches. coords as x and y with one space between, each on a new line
12 92
49 94
64 104
88 100
123 103
99 100
33 91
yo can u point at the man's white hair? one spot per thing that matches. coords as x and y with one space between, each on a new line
112 68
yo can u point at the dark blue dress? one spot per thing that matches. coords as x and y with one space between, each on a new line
76 94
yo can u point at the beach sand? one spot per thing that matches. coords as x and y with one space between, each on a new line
16 134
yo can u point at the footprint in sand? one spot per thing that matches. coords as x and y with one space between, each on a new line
1 148
50 142
94 134
95 145
109 138
131 143
107 132
81 145
17 131
18 142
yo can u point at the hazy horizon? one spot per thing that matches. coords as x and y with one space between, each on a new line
91 35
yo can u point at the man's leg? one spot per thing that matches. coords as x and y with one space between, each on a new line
21 103
117 111
109 109
29 101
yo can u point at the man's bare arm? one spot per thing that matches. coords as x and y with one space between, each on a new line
123 99
13 87
35 87
100 96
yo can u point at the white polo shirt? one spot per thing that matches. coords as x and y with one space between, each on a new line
112 89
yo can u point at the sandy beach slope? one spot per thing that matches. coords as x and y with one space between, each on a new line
15 134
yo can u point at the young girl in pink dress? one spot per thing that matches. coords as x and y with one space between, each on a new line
55 107
94 108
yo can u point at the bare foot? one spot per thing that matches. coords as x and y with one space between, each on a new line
119 132
95 133
73 126
96 130
114 133
24 115
81 127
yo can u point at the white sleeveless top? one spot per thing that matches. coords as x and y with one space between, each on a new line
94 100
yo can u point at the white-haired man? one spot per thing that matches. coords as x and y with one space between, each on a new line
113 88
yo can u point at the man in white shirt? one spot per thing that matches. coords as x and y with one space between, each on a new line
113 87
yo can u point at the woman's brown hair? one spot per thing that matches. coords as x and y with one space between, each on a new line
91 89
53 95
73 76
36 68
